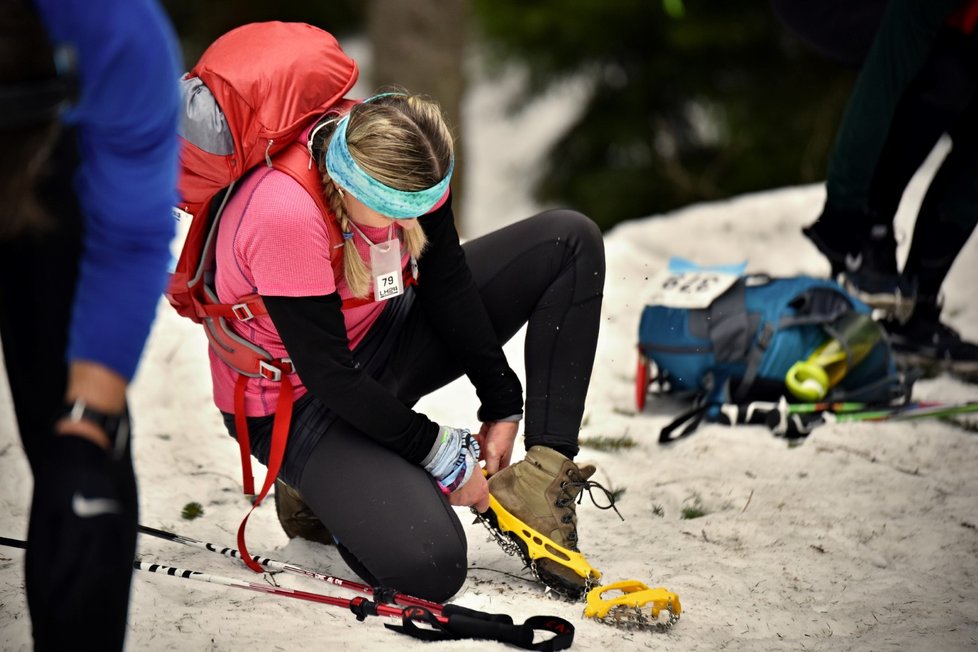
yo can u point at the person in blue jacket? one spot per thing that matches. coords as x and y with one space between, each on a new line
917 83
88 116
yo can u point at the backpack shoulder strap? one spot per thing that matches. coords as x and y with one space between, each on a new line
295 162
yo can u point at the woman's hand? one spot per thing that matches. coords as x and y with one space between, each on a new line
496 439
474 493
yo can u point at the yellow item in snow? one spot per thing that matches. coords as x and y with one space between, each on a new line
630 607
811 379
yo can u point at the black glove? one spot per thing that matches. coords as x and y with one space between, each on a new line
81 544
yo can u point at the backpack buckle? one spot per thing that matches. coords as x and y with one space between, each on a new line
269 370
242 312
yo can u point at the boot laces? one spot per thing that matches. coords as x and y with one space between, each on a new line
576 486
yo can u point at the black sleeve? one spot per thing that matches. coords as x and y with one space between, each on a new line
314 334
450 298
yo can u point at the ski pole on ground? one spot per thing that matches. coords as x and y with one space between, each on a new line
919 411
799 419
441 627
452 623
786 419
381 594
13 543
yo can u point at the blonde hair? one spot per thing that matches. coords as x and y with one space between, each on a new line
400 140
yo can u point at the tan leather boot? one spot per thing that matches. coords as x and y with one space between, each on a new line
296 518
534 497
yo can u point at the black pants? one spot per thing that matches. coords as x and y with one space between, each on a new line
38 274
941 99
394 526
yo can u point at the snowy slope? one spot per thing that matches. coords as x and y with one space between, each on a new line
864 537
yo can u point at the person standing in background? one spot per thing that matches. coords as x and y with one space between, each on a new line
88 114
918 82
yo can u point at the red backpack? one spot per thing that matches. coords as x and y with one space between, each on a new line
269 82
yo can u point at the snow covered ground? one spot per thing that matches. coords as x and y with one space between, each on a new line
864 537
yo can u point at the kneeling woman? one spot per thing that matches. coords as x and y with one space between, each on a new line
409 311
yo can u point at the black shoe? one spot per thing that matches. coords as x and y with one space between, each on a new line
925 342
835 240
871 275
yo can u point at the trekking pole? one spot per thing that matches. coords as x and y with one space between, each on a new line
625 610
451 623
13 543
919 410
381 594
445 626
377 610
790 420
799 419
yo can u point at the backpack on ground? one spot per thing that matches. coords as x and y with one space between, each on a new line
719 337
250 96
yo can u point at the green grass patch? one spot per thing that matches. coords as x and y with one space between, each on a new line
191 511
693 510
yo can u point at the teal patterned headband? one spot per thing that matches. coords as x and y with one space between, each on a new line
389 202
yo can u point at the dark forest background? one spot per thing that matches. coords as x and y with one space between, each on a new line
691 100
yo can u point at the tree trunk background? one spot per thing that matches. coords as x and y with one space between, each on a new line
420 46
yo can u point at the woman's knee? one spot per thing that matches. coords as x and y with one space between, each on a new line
434 572
585 246
579 230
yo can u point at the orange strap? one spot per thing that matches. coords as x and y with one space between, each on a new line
280 434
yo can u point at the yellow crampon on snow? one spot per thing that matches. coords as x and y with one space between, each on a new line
638 606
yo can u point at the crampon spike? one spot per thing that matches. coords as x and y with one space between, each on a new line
516 537
540 546
637 606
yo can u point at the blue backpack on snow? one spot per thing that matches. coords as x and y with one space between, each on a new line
739 347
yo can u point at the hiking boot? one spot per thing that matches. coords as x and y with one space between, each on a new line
836 239
871 275
296 518
925 342
533 503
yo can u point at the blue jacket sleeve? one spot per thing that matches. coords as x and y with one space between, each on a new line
126 121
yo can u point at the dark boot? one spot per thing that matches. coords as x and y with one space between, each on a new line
926 342
871 275
296 518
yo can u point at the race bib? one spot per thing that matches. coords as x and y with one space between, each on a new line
385 265
689 289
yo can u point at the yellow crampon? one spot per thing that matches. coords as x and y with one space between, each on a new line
538 546
637 606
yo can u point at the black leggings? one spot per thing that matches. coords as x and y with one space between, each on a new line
394 526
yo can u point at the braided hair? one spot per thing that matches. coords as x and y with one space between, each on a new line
398 139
